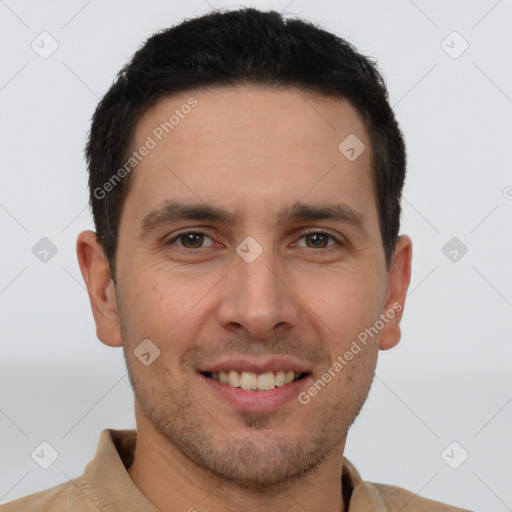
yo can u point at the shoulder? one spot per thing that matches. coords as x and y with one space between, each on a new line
379 497
65 497
399 499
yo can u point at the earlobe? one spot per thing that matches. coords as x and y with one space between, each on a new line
399 277
96 273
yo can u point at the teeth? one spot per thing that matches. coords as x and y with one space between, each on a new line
280 378
233 379
250 381
266 381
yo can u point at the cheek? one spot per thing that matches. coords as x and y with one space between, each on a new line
346 302
163 306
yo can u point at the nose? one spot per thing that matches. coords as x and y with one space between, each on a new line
258 298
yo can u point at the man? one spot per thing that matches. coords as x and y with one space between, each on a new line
245 178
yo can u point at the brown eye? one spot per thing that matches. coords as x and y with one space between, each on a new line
189 240
318 240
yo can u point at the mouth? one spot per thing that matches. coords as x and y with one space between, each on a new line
251 388
251 381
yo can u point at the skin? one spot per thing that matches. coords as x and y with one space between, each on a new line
250 150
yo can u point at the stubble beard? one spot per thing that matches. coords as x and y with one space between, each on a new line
267 458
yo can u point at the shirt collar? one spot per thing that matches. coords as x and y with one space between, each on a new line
107 482
108 485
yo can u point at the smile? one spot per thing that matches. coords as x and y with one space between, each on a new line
250 381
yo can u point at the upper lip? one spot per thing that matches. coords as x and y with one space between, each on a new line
273 364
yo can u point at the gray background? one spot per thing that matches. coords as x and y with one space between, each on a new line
448 380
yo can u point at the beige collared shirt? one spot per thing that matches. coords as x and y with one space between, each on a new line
105 485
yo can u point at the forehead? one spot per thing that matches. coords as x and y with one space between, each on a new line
252 149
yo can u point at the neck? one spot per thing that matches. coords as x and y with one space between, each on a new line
173 483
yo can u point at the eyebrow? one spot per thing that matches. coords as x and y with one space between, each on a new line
176 210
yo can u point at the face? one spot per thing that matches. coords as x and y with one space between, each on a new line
249 247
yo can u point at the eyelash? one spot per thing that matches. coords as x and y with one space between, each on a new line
303 234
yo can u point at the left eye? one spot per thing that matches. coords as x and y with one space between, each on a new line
318 238
194 239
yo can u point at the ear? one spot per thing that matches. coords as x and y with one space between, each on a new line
96 273
399 277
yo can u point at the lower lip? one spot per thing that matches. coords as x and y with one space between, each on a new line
257 401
